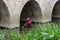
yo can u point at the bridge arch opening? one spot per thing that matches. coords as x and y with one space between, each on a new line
56 12
4 13
32 10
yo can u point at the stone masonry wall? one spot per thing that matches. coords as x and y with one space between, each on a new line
15 7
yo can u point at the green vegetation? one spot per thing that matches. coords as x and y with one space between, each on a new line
9 34
40 32
44 32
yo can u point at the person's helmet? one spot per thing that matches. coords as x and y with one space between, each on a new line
28 19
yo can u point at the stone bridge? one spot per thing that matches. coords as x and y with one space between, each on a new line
12 11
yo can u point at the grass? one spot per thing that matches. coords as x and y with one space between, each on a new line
49 31
9 35
43 32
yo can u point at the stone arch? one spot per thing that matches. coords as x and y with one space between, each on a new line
4 14
32 10
56 11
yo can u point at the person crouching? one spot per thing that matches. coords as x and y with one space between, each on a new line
28 24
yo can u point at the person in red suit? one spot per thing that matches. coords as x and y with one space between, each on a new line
28 24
